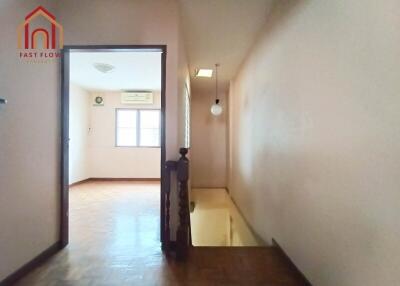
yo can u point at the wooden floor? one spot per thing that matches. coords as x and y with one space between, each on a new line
114 240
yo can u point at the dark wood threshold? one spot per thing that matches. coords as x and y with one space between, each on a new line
116 179
31 265
290 262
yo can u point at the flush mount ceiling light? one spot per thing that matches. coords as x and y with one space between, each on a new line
216 108
203 73
102 67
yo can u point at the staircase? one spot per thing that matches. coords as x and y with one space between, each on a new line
256 265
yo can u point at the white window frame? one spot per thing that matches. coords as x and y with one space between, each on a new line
137 128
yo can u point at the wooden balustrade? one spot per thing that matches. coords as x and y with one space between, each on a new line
182 234
183 239
170 166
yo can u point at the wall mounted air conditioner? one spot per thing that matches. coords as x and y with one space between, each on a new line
137 97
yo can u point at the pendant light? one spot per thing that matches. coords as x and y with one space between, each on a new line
216 108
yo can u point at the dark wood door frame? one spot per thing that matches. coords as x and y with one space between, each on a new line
65 70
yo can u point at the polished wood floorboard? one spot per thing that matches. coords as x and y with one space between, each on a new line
114 240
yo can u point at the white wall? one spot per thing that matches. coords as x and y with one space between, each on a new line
79 105
108 161
29 146
315 139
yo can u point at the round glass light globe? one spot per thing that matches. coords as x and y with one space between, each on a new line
216 109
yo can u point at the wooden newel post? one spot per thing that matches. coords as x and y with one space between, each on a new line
182 234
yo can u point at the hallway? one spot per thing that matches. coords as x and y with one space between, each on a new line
290 106
115 241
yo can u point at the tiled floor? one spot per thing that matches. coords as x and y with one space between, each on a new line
114 240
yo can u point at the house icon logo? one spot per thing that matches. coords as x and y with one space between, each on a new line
40 35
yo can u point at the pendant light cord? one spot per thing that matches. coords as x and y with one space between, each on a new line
216 83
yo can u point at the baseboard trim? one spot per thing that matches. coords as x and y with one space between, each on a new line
31 265
115 179
206 188
79 182
280 249
126 179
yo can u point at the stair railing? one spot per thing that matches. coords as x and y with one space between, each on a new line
170 167
183 234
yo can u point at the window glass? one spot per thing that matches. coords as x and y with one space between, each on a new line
126 128
137 128
150 128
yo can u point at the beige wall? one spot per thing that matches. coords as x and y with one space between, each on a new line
29 141
29 125
315 139
108 161
79 124
208 150
183 87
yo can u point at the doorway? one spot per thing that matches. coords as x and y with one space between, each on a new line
101 73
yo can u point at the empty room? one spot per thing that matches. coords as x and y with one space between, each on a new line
114 152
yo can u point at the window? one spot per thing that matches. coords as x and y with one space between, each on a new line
137 127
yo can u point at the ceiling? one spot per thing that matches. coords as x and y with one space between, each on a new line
220 31
133 70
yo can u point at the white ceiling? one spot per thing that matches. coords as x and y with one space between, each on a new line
133 70
220 31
